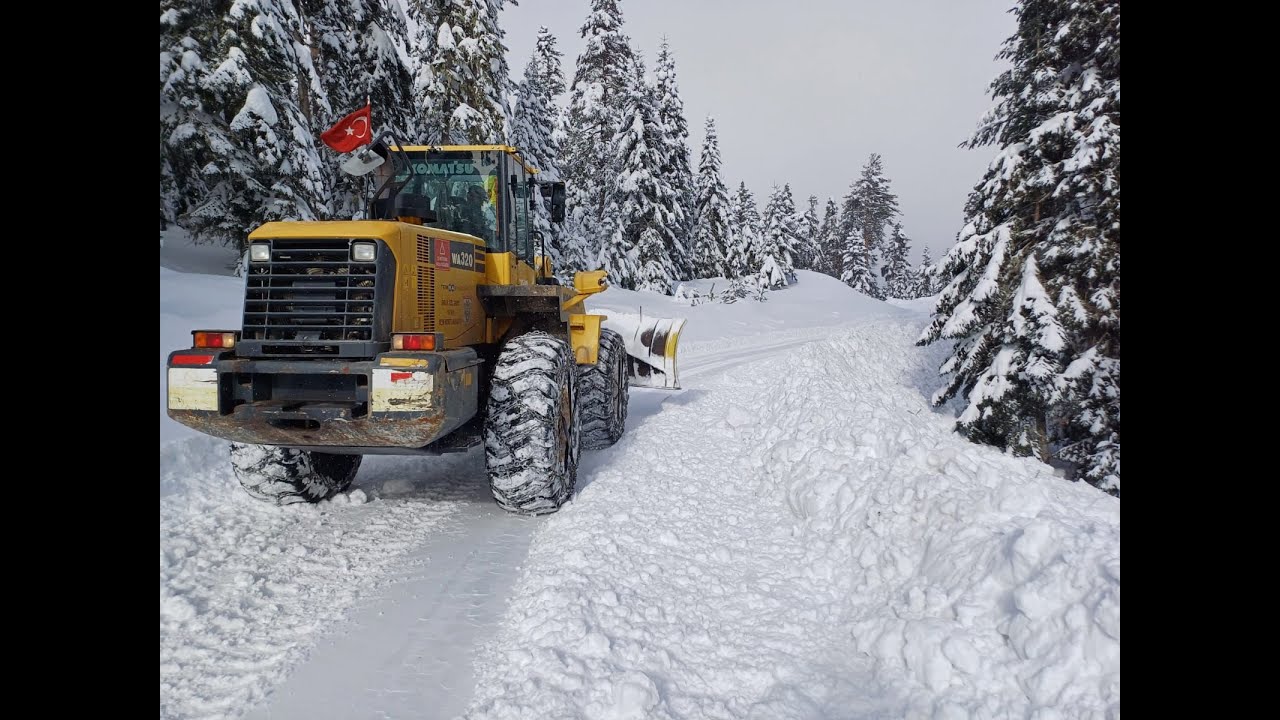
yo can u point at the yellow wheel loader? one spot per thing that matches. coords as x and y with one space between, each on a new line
430 328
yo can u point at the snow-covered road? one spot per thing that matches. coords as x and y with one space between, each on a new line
796 534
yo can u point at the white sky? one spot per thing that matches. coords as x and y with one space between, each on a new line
803 90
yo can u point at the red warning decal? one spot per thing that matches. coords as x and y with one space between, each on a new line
398 376
442 253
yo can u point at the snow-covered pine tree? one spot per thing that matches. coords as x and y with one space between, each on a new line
778 241
806 257
899 278
745 231
856 266
550 74
712 234
856 258
536 115
1033 298
240 149
876 206
596 96
464 80
636 255
192 132
534 132
360 50
925 274
830 257
675 153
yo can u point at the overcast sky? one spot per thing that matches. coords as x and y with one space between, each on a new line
804 90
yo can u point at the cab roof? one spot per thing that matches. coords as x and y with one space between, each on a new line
513 152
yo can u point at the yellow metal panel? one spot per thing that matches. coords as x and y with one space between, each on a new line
542 266
404 362
506 269
436 290
588 282
584 336
497 328
500 268
387 230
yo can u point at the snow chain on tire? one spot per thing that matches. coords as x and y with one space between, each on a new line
531 426
603 392
285 476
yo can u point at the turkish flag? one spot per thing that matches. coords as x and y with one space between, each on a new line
350 132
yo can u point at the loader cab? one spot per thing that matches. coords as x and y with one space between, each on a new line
482 190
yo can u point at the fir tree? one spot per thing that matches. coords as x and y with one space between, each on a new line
464 78
1033 298
675 152
807 248
596 99
925 274
240 150
899 278
548 58
830 257
192 129
712 234
778 240
856 264
745 231
359 50
636 255
876 206
535 133
856 256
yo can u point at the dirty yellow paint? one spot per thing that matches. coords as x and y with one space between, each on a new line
404 362
400 391
584 336
193 389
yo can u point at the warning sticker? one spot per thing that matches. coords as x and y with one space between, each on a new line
442 253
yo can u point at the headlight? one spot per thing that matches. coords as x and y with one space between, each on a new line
364 251
260 252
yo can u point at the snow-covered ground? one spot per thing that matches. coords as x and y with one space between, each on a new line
795 534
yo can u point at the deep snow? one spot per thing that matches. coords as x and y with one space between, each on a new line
796 534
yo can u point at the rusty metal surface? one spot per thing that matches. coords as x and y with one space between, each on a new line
248 425
555 291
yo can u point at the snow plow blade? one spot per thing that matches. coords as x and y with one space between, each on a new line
651 349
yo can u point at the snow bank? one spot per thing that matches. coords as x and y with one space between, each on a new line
816 301
803 537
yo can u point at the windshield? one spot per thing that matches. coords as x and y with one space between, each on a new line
461 187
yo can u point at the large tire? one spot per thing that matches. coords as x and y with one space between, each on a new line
531 426
603 393
284 476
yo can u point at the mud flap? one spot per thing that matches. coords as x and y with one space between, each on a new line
651 348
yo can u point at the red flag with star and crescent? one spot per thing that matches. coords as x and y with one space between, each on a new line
350 132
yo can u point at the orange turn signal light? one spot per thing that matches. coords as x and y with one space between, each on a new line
213 339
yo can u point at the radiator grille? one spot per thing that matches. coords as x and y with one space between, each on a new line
426 285
310 290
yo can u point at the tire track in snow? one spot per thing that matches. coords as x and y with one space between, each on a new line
248 588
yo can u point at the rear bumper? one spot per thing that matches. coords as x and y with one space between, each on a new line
398 400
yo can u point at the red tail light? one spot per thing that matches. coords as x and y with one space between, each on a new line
417 341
